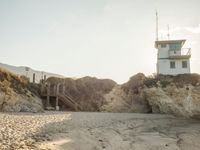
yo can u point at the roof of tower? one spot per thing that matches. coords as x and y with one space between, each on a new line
169 42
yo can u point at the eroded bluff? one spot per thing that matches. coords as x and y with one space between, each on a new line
17 94
178 95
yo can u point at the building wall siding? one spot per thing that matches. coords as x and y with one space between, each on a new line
163 52
164 67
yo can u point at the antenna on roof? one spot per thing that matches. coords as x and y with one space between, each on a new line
156 25
168 34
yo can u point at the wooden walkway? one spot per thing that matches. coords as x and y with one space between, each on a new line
58 93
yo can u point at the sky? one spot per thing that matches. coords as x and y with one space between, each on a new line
102 38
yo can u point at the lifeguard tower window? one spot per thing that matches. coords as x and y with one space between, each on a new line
175 46
163 45
184 64
172 64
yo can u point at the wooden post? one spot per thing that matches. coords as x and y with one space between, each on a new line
63 89
57 93
42 89
48 94
45 77
33 77
54 90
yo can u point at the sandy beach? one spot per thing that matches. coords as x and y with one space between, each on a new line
96 131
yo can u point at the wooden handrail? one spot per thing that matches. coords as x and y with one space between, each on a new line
55 91
69 99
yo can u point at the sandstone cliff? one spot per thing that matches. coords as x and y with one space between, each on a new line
127 97
178 95
17 94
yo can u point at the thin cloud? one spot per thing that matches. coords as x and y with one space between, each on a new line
193 29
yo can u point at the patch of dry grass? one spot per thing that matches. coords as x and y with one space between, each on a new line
10 81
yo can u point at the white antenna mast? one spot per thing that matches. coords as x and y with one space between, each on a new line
168 35
156 25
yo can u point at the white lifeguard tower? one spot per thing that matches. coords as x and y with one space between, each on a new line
172 58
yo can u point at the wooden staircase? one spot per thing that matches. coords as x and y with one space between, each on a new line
59 95
68 100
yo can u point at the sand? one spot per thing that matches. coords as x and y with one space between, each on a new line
97 131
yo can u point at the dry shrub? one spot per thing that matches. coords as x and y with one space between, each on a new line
5 87
179 80
10 81
134 83
185 79
151 82
34 89
87 91
139 81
